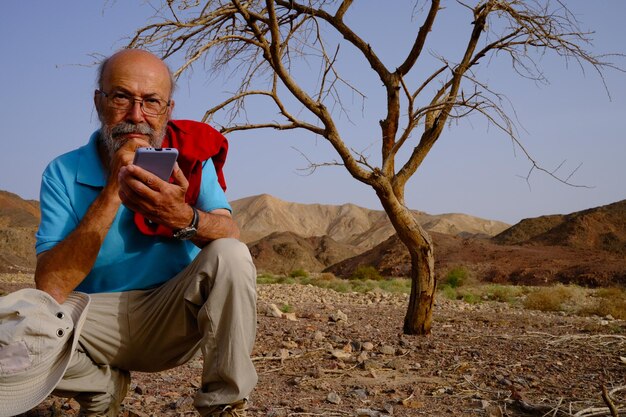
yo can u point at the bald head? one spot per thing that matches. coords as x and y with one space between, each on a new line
131 83
135 57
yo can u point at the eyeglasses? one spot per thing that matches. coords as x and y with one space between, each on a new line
151 106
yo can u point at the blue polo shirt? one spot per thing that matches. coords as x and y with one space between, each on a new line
128 259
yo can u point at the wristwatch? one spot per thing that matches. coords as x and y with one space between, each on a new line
190 231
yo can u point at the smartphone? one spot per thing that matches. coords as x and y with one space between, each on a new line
159 161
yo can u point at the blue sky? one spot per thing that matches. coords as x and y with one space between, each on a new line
47 81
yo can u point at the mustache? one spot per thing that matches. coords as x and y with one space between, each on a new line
113 140
124 128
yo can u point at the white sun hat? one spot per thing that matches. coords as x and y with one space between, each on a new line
38 337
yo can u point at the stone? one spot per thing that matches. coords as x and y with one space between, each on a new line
333 398
359 393
289 344
388 350
273 311
290 316
366 412
339 316
396 364
341 354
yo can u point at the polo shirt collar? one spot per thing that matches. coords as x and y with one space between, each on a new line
90 169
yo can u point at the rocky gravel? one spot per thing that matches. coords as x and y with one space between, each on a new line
323 353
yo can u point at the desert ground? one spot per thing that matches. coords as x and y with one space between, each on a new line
326 353
344 354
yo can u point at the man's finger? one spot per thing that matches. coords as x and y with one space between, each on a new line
179 178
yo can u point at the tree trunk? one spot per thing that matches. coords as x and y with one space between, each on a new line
418 319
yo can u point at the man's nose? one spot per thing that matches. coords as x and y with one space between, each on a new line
134 113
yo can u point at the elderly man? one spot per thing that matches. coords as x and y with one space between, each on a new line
155 299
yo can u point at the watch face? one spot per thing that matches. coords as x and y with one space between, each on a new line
186 233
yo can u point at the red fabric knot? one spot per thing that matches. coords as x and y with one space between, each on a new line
196 142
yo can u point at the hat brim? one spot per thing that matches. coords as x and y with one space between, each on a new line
19 396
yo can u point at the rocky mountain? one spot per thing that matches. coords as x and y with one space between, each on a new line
18 223
261 215
285 236
491 262
282 235
585 248
16 212
284 252
602 228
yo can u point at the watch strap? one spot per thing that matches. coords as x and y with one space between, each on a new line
191 230
195 219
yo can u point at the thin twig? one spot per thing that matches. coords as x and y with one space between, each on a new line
609 402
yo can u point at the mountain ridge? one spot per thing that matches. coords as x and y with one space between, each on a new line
261 215
19 220
585 247
602 227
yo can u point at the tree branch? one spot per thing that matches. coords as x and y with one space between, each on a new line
435 120
418 45
331 133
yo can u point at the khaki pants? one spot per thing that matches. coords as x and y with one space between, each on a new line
210 305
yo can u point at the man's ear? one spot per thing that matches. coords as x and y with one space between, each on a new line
96 101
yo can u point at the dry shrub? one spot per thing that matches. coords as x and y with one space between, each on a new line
607 301
324 279
365 272
327 276
471 295
504 293
557 298
477 293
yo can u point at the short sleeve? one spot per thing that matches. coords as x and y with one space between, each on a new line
211 196
58 218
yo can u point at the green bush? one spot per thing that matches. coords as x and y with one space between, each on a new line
449 292
455 277
471 298
266 279
503 293
286 308
297 273
342 287
365 272
328 280
362 286
285 280
396 285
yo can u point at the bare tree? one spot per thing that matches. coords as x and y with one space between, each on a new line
261 41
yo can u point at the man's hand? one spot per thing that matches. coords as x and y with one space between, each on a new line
164 203
122 158
158 201
63 267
